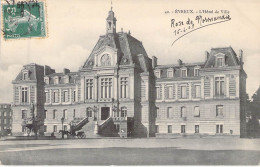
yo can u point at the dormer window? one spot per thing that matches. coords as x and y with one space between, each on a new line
220 60
56 80
170 73
184 72
25 75
196 71
46 80
66 79
157 74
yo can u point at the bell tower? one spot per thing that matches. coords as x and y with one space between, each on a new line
111 22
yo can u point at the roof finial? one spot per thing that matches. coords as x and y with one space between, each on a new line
111 5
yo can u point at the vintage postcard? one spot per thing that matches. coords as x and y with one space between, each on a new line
128 82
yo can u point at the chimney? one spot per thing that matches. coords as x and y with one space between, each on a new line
206 55
65 71
122 30
180 62
48 70
154 61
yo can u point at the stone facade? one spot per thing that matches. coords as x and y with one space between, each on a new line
128 94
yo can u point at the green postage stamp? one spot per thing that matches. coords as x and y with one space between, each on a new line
25 19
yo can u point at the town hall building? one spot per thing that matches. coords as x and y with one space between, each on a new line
121 91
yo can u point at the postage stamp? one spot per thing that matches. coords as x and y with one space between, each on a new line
25 19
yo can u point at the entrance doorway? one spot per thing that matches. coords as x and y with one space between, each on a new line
104 113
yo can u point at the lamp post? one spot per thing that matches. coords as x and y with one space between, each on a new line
62 133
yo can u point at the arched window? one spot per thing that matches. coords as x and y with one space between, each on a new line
105 60
123 112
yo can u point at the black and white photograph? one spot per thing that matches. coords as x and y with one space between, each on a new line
127 82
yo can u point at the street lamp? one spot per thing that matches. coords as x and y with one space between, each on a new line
62 133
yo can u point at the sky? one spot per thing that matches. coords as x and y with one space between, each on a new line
75 26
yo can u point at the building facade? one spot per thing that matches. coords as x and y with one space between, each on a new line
120 91
5 119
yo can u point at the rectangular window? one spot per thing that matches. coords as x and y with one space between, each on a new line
54 114
25 75
106 87
123 87
196 72
24 95
158 93
197 111
23 128
74 96
170 92
182 128
219 86
65 114
219 110
54 128
74 113
65 128
170 74
56 97
47 97
24 114
157 74
169 112
183 112
56 81
89 112
169 128
157 112
197 129
45 114
220 62
45 128
156 128
183 73
123 112
197 91
65 96
183 92
89 89
219 128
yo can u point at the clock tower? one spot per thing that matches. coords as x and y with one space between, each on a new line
111 22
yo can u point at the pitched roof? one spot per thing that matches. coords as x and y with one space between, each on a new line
230 57
128 48
35 72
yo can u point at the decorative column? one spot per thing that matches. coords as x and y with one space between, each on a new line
115 89
96 88
82 93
